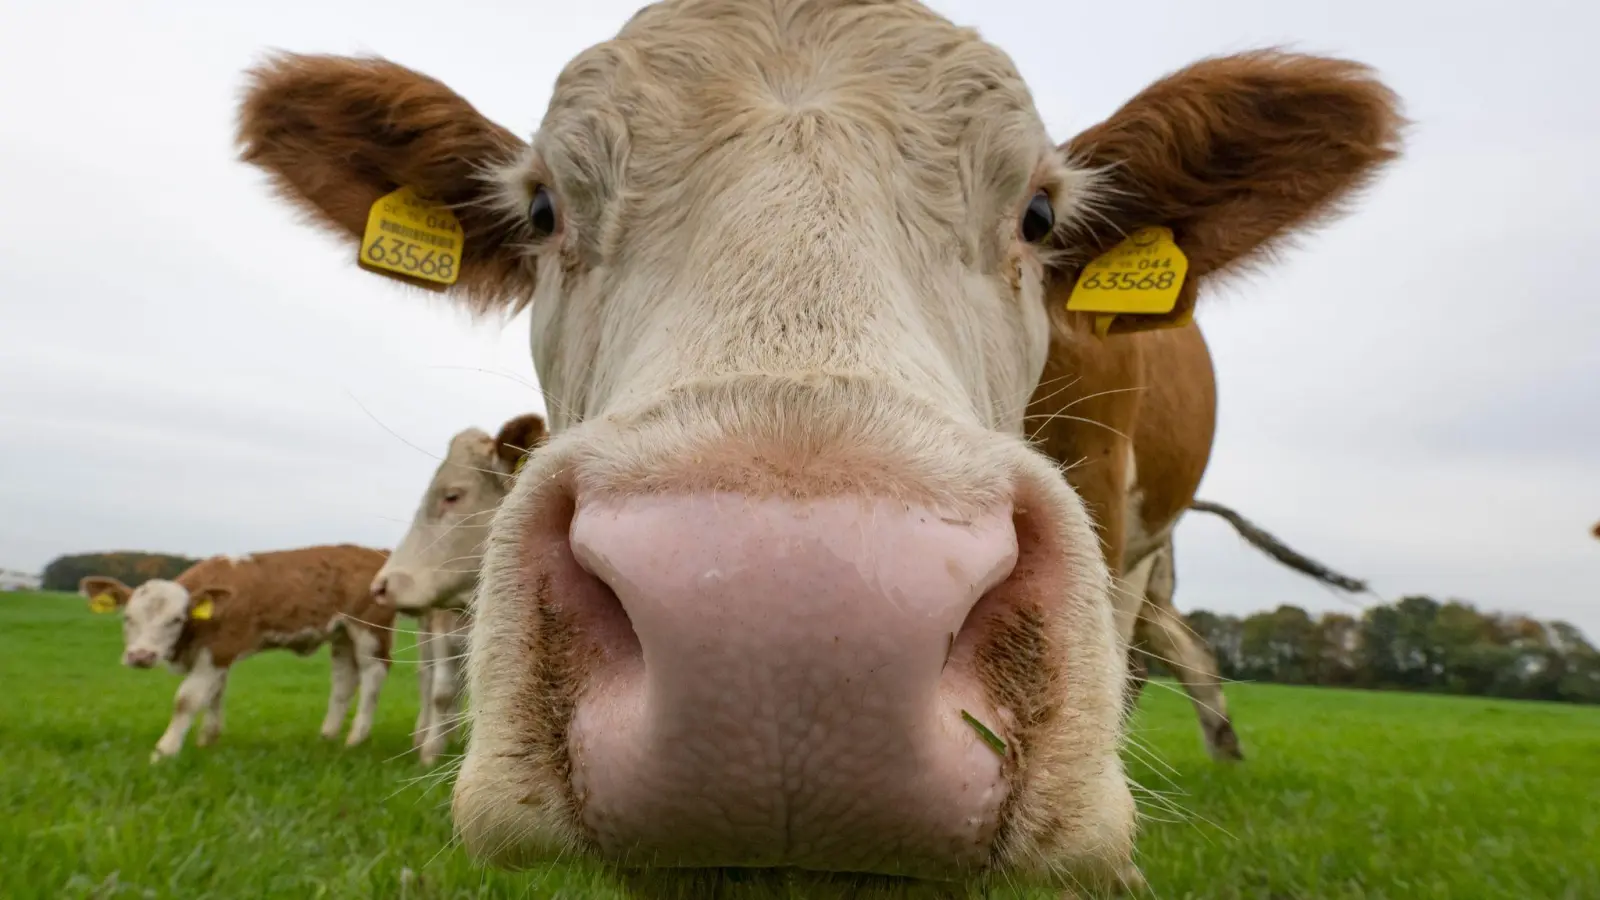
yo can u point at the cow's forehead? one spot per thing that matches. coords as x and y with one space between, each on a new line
685 71
156 597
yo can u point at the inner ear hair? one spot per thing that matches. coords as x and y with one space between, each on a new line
213 593
519 436
92 585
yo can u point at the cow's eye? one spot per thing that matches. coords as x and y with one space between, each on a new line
1039 219
452 496
542 213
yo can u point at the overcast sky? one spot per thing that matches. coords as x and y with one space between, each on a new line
1413 396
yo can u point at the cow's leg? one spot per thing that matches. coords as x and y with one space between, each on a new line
427 642
372 659
1174 644
1128 603
445 690
211 725
345 676
194 694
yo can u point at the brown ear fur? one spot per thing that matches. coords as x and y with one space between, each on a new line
94 585
217 595
336 133
519 436
1234 154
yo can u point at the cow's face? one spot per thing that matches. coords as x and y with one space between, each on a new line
436 563
788 591
154 615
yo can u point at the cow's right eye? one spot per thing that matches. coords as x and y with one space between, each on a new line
452 496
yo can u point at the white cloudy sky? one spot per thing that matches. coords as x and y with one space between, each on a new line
1413 397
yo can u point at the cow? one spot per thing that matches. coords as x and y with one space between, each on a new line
223 609
824 582
431 573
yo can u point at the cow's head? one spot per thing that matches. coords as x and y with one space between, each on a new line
788 590
437 561
154 614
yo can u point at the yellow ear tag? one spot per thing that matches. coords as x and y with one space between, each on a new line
202 610
521 461
1102 323
1142 275
413 238
102 603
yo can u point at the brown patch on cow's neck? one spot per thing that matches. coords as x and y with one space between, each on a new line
1149 397
185 648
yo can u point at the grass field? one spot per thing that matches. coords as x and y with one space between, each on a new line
1345 794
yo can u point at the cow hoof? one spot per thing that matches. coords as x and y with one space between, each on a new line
205 740
1223 743
157 756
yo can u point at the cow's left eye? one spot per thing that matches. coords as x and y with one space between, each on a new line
1039 219
542 213
452 496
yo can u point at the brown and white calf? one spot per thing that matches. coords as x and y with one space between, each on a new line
225 608
799 586
431 573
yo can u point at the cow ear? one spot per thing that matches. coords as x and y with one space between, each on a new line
106 594
204 602
518 438
337 134
1233 155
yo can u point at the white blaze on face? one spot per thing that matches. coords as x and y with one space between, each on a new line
152 622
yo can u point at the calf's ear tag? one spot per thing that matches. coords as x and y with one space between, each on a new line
102 603
1141 276
413 238
202 610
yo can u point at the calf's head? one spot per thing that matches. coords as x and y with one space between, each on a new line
437 561
788 591
154 615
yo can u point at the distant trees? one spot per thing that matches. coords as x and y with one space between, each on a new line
1414 644
133 569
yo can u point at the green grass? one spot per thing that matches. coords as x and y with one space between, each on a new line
1344 795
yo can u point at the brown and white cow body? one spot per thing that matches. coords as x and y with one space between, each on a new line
432 572
791 590
226 608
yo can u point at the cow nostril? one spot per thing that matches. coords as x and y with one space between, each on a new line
380 590
574 600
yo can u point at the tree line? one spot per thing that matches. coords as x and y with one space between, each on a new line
1414 644
131 568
